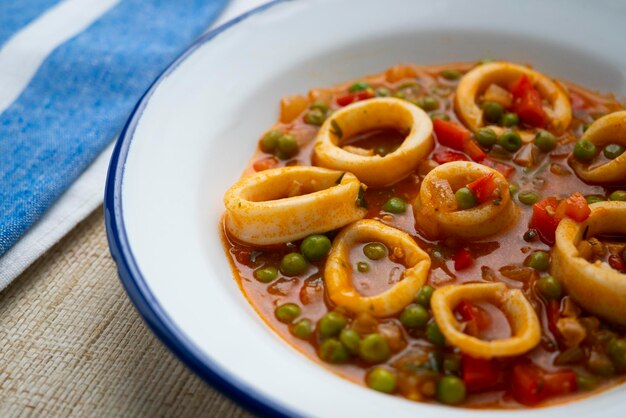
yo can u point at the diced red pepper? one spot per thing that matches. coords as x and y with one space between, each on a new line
617 262
355 97
574 207
543 219
451 134
265 163
531 384
504 169
243 257
443 157
528 102
477 320
553 313
475 152
483 188
462 259
479 374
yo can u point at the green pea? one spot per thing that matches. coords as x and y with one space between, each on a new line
616 349
545 141
375 250
332 351
594 199
302 329
351 339
287 312
269 142
550 287
319 105
331 324
586 126
465 199
266 274
492 111
429 103
513 188
451 74
414 316
486 137
440 115
314 117
618 195
509 119
287 147
451 390
452 363
382 380
362 267
315 247
600 364
539 260
510 141
434 335
382 92
374 348
395 205
529 198
359 86
612 151
586 382
584 150
293 264
424 295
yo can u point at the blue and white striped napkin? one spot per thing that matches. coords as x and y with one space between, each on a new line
71 72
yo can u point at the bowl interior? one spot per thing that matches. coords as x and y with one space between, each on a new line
201 123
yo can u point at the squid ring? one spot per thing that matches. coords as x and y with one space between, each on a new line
338 269
596 286
285 204
519 312
435 217
476 81
609 129
375 170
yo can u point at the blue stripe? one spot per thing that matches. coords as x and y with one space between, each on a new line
81 96
15 14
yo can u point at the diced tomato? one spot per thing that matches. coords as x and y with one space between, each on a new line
574 207
504 169
355 97
617 262
531 384
520 86
474 151
543 219
483 188
443 157
265 163
476 318
528 102
462 259
451 134
479 374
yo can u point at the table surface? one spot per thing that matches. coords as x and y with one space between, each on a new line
74 345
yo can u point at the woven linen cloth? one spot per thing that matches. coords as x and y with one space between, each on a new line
71 72
73 345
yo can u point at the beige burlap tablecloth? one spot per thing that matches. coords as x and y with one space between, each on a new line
73 344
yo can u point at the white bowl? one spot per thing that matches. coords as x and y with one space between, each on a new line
194 131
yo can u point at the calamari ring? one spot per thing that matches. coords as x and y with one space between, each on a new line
597 287
338 269
609 129
475 223
476 81
289 203
519 312
374 170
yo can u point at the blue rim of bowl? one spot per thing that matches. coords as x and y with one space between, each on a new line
130 274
